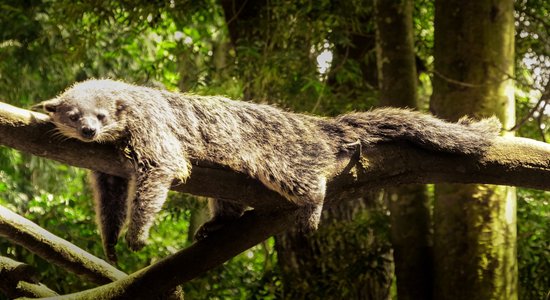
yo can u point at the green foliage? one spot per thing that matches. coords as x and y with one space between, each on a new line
533 243
532 122
251 275
533 67
65 210
533 74
46 45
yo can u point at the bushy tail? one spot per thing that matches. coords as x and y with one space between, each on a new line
388 124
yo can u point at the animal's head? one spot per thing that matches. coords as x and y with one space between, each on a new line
91 111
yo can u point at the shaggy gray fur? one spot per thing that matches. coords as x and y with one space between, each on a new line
292 154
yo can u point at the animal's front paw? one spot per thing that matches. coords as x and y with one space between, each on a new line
210 227
205 230
136 242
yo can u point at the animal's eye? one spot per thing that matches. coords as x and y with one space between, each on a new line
100 116
73 117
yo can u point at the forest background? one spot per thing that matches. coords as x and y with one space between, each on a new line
315 57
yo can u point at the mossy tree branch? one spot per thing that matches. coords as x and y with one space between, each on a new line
58 251
20 280
510 161
55 249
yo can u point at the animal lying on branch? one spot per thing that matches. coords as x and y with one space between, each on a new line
292 154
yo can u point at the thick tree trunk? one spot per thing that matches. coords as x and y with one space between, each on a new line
395 53
475 225
410 215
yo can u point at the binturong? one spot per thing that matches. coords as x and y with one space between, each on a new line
291 154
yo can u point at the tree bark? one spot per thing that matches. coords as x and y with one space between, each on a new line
475 225
409 208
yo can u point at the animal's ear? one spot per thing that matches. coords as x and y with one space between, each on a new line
120 105
49 106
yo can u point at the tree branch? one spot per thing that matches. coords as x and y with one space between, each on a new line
19 280
510 161
54 249
62 253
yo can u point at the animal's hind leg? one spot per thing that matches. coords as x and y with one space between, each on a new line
309 217
110 194
222 212
311 206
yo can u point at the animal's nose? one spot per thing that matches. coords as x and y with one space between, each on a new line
88 132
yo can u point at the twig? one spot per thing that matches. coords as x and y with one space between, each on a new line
542 100
457 82
540 121
235 14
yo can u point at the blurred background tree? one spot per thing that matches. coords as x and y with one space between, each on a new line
474 225
313 57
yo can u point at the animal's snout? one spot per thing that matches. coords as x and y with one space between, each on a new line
88 132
